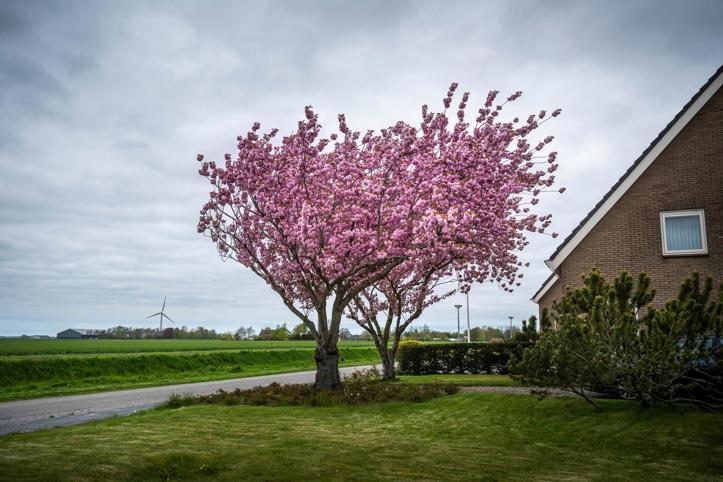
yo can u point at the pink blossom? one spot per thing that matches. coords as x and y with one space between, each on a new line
324 222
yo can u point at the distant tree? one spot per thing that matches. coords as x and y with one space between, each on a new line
282 332
345 334
301 332
476 334
181 333
300 329
530 326
528 332
244 333
490 333
420 334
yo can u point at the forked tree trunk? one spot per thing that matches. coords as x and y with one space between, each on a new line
388 363
327 368
389 370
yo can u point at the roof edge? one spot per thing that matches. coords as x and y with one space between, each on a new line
546 285
664 138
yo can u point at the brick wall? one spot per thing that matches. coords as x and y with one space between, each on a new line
687 174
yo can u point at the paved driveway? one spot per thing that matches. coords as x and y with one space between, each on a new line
40 413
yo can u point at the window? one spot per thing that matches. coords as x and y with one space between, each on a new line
683 232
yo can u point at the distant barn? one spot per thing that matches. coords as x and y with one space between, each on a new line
78 333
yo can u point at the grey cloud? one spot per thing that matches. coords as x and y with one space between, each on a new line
11 21
105 106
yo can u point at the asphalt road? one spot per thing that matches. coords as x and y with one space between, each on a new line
41 413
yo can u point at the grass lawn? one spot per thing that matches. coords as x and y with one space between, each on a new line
467 380
43 376
464 436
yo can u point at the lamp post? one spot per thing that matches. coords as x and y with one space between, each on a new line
510 317
469 339
458 307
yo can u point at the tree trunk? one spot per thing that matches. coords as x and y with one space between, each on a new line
327 368
388 364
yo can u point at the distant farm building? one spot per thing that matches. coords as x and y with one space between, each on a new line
78 333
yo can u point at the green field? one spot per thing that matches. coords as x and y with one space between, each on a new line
460 437
52 375
60 347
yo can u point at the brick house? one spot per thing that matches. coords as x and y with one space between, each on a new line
664 216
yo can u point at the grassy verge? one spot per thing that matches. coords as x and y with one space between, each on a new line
69 347
466 380
460 437
65 375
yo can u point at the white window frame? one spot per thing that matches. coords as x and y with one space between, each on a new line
684 252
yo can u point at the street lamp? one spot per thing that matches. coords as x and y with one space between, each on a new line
469 339
458 336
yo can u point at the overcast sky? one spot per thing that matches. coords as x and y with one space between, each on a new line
105 105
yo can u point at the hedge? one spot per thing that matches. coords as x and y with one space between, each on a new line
423 359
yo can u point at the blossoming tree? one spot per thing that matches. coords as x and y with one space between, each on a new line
387 308
320 220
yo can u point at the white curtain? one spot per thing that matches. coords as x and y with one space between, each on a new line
682 233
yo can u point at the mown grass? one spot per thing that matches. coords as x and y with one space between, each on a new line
30 377
480 380
460 437
61 347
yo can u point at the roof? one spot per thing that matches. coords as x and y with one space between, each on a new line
546 285
83 331
645 159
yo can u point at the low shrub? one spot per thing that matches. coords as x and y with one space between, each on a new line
609 337
364 374
360 391
407 345
475 358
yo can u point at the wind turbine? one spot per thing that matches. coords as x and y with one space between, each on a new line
161 314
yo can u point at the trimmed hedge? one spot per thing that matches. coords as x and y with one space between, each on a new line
490 358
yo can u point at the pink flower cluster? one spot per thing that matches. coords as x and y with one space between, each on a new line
320 218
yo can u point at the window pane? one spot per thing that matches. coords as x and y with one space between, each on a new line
682 233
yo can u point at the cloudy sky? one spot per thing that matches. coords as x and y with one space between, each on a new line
105 105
